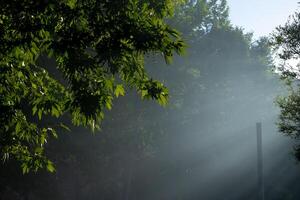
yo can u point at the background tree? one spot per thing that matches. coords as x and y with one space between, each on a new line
286 44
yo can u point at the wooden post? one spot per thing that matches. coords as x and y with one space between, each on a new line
260 175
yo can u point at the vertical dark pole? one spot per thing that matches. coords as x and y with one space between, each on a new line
260 176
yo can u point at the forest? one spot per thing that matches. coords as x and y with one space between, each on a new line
145 100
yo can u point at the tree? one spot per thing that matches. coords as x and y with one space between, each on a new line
198 17
286 42
98 48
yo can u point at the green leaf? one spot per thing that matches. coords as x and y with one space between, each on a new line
50 167
55 112
108 105
144 94
39 150
18 127
20 74
119 90
25 168
65 127
34 109
40 112
163 100
72 3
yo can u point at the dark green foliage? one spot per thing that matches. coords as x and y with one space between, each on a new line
289 122
287 38
286 41
98 47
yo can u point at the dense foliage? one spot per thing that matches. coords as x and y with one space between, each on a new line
286 42
98 46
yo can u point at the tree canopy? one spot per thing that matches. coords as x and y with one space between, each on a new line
286 42
97 49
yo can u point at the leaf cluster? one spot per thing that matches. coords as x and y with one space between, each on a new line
98 47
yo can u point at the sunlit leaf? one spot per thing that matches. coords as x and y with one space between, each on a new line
119 90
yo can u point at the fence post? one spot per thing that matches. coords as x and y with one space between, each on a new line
260 175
